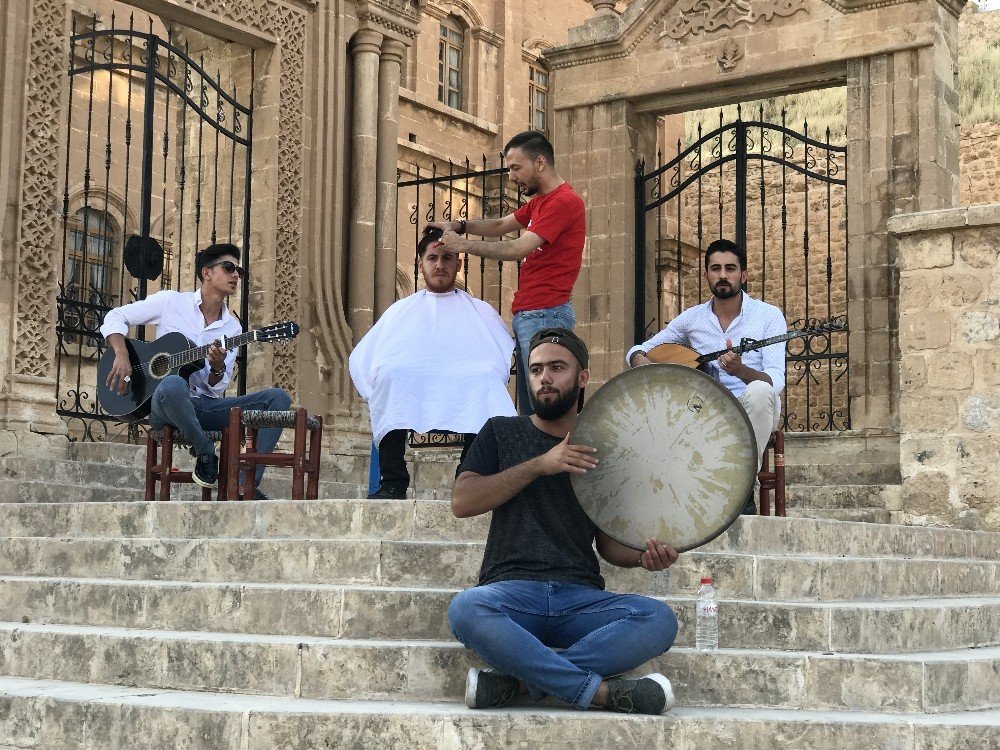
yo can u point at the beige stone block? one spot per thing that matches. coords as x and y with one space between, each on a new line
927 251
979 327
951 371
929 413
981 413
979 248
914 288
920 452
979 491
924 329
913 372
959 288
927 493
989 367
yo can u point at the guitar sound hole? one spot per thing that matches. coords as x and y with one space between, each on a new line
159 365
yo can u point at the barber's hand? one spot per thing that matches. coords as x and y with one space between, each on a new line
658 556
120 374
731 362
448 226
216 356
639 359
576 459
452 241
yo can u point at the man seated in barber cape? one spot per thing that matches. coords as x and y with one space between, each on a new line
437 360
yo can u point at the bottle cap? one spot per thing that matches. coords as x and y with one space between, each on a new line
706 580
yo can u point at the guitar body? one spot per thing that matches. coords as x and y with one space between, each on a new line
675 354
134 404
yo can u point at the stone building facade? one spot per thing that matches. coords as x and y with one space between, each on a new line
353 95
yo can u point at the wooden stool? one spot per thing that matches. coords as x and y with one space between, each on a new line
773 479
304 465
159 468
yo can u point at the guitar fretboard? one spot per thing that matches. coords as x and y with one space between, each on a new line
200 352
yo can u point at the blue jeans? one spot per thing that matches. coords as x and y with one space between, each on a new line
514 625
526 324
173 404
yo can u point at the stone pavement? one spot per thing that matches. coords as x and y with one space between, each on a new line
321 624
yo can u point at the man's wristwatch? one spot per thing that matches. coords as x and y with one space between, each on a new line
217 373
462 226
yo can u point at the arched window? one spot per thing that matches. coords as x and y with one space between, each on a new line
538 98
92 239
451 62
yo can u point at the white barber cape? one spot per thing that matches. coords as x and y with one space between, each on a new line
434 362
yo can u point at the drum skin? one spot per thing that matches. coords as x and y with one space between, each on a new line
677 457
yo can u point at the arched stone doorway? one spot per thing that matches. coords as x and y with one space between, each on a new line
663 56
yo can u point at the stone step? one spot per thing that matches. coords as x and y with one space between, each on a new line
435 670
452 564
854 515
847 472
394 613
78 716
863 496
433 520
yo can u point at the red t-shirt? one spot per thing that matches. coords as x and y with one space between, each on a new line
549 272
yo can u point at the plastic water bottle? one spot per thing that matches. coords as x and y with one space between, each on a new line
706 628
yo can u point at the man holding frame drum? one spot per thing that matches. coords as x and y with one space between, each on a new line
757 377
540 585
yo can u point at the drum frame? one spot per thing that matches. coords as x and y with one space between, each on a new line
725 393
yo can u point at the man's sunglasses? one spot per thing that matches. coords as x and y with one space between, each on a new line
229 267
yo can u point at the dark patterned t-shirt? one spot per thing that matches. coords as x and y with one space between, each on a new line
542 533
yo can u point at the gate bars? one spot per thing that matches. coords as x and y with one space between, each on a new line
134 80
712 187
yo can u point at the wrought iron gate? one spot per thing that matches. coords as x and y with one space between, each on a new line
779 193
158 159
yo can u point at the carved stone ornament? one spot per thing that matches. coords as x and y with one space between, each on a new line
729 55
37 273
705 16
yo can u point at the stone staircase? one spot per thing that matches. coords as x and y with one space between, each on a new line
321 624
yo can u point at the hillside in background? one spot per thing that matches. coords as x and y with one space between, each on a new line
978 85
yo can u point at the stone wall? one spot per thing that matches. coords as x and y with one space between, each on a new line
949 328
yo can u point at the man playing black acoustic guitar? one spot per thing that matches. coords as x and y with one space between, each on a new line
195 403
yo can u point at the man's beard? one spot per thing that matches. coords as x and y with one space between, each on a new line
551 410
727 292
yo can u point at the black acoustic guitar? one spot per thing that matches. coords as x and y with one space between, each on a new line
153 361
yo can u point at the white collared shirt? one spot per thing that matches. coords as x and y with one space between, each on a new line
698 327
173 311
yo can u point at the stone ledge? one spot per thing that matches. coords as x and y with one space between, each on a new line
948 218
425 102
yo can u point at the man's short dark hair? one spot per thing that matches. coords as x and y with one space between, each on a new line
727 246
211 254
431 235
533 144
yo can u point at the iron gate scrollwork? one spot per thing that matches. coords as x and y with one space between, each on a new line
781 194
158 160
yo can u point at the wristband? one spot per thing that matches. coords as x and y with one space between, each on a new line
462 226
218 373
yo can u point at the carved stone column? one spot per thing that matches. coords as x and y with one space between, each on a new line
385 174
365 49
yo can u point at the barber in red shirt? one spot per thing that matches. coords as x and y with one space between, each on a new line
550 245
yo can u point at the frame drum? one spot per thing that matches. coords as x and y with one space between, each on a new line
677 457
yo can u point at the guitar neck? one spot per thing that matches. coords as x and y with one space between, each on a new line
200 352
740 349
